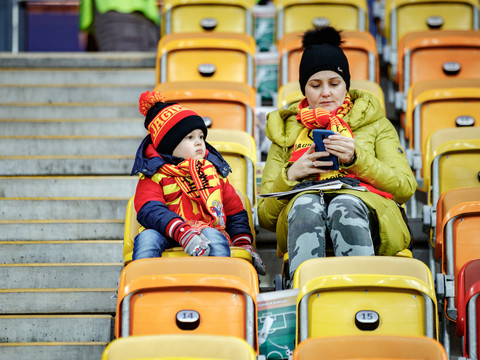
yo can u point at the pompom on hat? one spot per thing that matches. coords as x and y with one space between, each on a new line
168 123
322 52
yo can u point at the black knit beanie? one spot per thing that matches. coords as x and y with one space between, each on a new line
322 52
168 123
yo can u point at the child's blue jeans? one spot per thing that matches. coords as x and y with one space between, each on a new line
150 243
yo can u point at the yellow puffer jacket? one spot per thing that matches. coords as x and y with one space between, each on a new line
380 161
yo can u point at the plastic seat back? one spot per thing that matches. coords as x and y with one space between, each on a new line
296 16
358 295
230 16
359 47
430 55
468 320
406 16
439 104
206 57
223 104
370 347
452 159
179 346
201 295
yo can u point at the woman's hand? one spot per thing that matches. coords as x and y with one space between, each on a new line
341 146
308 165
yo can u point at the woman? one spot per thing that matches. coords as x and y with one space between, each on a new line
362 221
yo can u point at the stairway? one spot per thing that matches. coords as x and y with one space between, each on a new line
69 129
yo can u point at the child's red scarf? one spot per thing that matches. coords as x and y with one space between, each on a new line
323 119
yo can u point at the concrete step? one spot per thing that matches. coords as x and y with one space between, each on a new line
73 127
60 276
68 186
66 165
62 230
75 110
58 301
71 93
76 251
62 208
82 76
70 145
56 328
53 351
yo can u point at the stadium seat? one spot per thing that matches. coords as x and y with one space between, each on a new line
194 295
359 295
206 57
223 104
230 16
407 16
468 320
290 93
434 105
132 228
370 347
179 346
359 47
456 239
431 55
296 16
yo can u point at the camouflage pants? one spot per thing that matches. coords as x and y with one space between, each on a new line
315 218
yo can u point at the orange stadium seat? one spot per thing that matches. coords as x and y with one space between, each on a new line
434 105
188 295
468 320
370 347
431 55
296 16
206 57
359 46
456 238
407 16
231 16
359 295
223 104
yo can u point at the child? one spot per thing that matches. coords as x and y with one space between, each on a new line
183 196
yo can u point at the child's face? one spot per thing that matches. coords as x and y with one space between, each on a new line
192 146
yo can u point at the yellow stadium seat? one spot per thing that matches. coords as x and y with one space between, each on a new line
369 347
231 16
206 57
223 104
290 93
359 295
180 347
431 55
434 105
296 16
132 228
359 47
407 16
198 295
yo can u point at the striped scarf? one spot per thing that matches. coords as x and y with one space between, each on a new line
321 119
199 181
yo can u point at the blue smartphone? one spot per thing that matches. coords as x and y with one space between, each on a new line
318 136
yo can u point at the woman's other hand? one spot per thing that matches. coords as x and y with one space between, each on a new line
309 164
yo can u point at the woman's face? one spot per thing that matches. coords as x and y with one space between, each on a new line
325 89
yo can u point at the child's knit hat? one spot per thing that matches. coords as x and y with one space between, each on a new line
168 123
322 52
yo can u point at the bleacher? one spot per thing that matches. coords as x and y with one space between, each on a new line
69 129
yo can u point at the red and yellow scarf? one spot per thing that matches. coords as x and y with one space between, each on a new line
321 119
199 181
